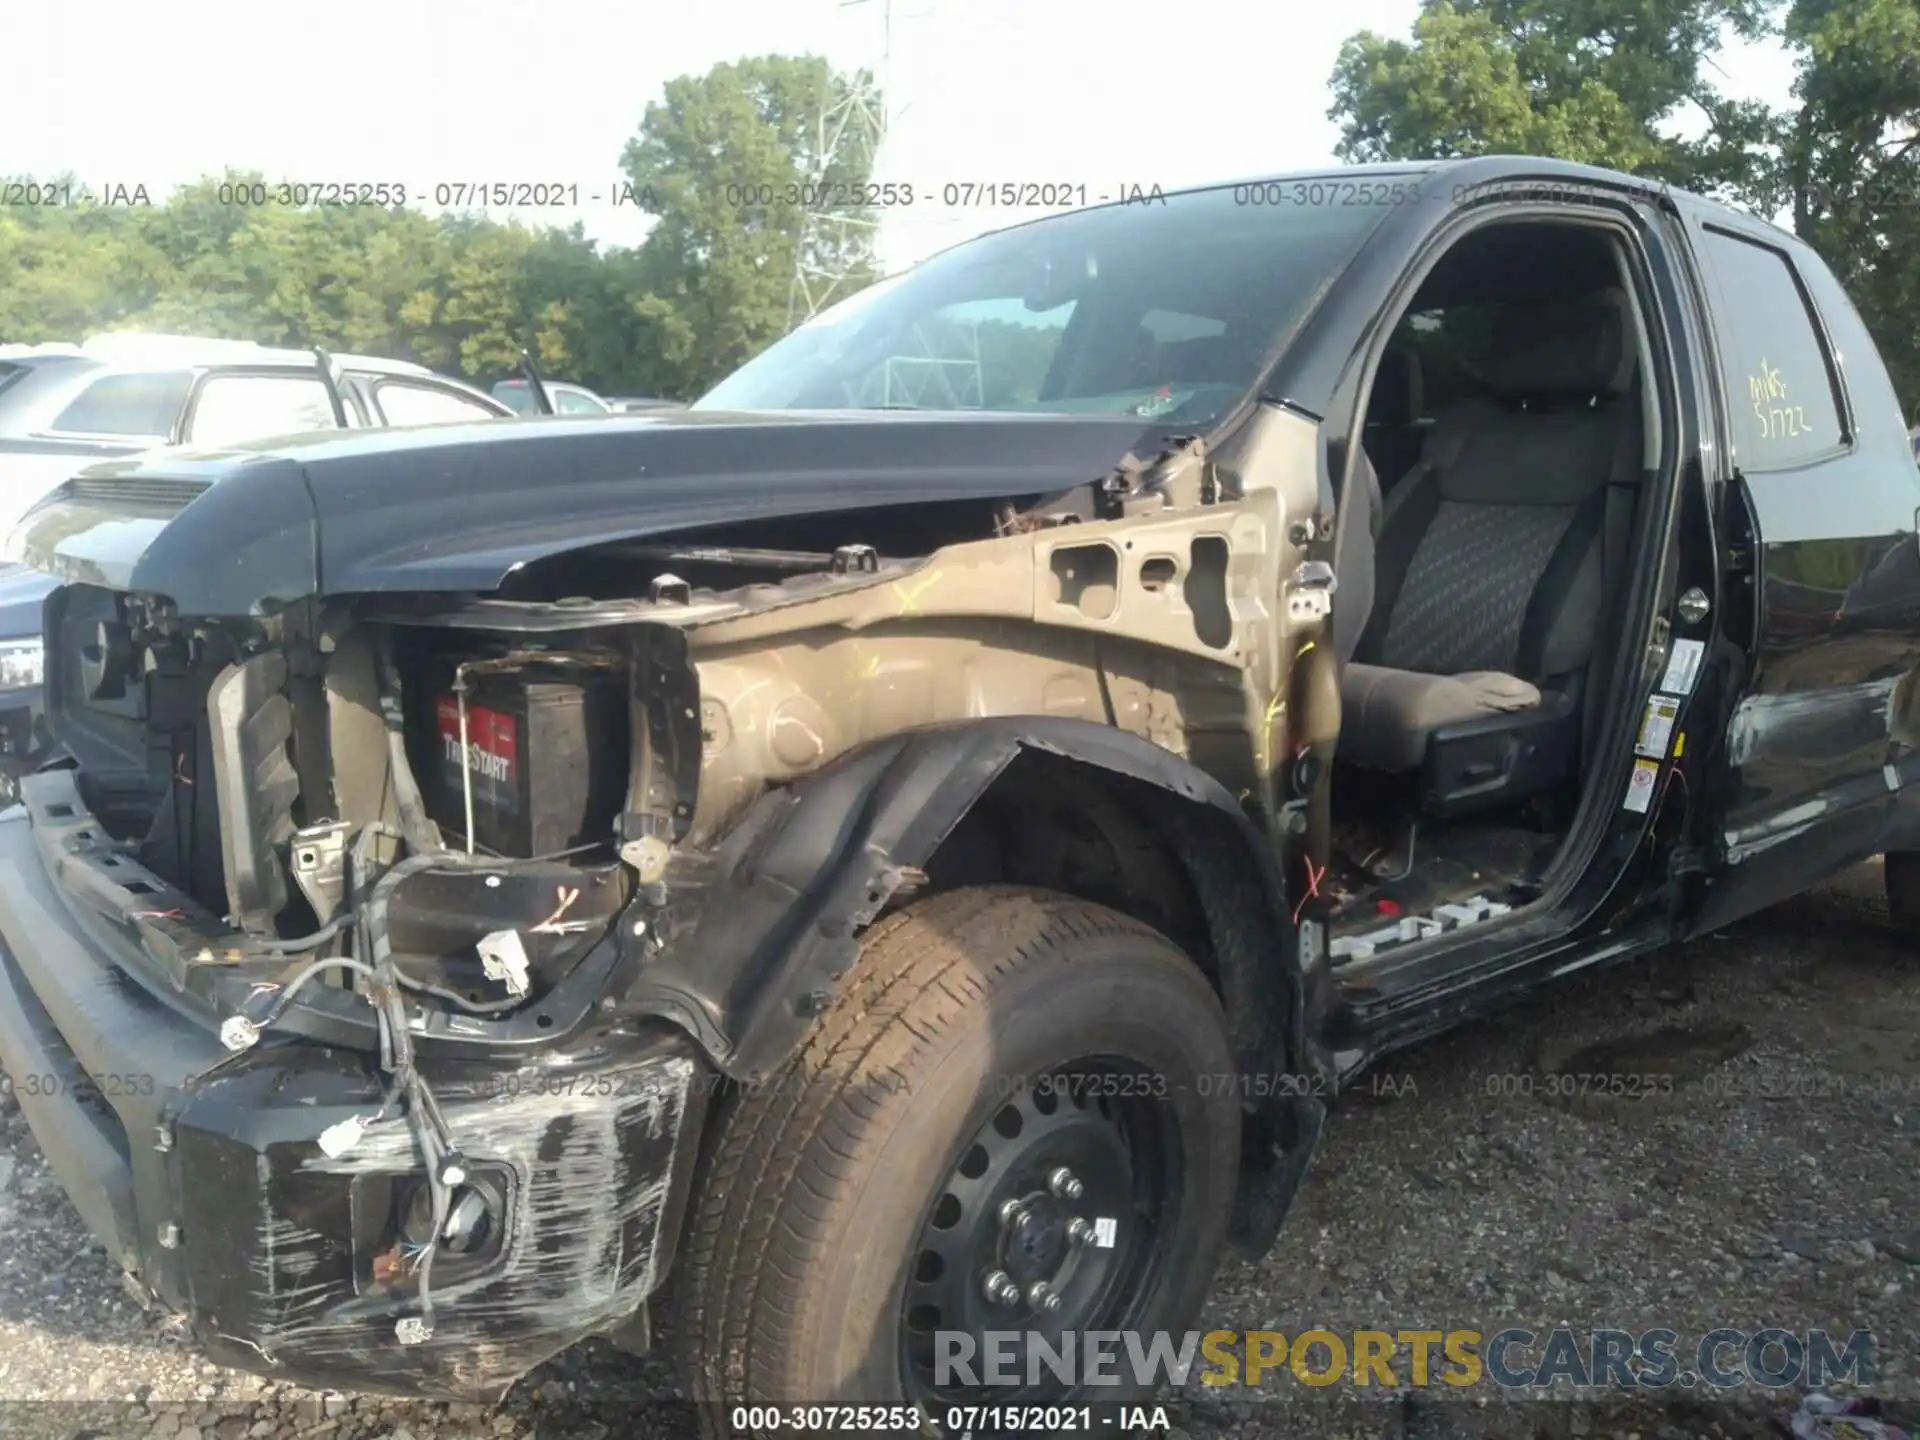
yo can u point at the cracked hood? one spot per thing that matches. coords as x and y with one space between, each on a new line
457 508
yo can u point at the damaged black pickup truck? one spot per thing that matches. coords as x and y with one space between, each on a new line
913 845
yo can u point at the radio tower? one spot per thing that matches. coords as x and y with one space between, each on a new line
835 248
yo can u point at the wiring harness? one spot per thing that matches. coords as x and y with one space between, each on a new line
382 986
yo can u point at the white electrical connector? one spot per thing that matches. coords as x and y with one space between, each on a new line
239 1033
412 1330
504 957
453 1171
336 1140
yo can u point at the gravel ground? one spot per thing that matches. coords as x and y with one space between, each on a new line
1774 1187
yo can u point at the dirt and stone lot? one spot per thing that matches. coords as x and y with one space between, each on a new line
1775 1186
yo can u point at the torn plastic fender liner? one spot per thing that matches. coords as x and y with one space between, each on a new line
755 936
757 932
255 784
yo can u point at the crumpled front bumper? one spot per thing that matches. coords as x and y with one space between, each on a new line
209 1186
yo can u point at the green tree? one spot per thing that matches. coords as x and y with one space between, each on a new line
1595 81
66 270
1851 166
1601 80
731 162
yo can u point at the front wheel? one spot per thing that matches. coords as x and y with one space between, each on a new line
1017 1117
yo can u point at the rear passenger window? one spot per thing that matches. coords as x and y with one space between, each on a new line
233 409
1781 383
144 406
405 404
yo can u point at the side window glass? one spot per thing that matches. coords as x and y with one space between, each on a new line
140 405
232 409
1780 382
567 402
405 404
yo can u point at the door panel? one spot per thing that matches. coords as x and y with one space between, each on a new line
1821 479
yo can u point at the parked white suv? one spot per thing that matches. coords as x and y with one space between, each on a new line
64 407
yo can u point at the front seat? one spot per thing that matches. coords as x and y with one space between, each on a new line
1391 447
1394 411
1493 569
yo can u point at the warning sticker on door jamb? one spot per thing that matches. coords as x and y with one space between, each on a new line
1683 667
1656 727
1640 786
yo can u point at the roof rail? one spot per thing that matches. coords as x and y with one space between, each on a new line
141 345
45 347
146 347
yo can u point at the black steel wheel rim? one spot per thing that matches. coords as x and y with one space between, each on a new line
1052 1222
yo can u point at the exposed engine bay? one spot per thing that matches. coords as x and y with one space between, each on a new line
438 825
275 781
471 789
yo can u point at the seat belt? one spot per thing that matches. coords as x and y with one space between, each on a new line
1616 535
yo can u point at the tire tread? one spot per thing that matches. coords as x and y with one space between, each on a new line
746 1254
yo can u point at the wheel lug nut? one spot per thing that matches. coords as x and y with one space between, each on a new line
1041 1297
1011 1213
1000 1288
1079 1232
1064 1184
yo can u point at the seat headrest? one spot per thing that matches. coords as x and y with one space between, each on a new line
1562 348
1399 390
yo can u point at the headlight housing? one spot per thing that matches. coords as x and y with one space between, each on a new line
22 663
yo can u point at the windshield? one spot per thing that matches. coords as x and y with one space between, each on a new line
1162 309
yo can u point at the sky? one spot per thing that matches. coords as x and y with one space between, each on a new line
1101 94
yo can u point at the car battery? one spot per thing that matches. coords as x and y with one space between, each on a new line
546 752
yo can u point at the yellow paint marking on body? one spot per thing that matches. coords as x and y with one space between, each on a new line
910 599
1274 708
